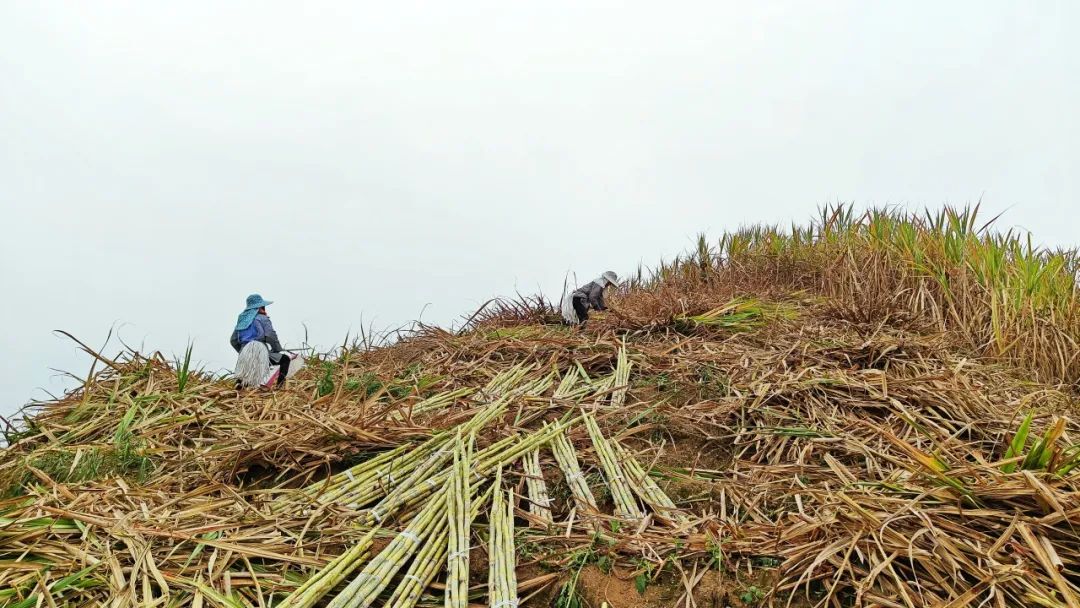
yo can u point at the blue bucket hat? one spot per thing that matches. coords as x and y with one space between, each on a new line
251 308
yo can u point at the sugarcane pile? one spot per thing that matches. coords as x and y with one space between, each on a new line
805 422
433 490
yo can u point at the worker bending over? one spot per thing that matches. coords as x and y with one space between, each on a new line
576 304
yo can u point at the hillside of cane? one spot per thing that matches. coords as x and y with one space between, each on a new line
872 409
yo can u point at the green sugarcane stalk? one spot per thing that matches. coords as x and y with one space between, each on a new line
421 482
430 561
572 388
575 384
441 400
416 493
457 567
622 378
534 388
501 453
360 491
346 477
506 380
376 484
323 581
335 485
502 579
494 546
510 553
534 481
436 461
647 488
377 573
563 451
625 504
566 385
522 446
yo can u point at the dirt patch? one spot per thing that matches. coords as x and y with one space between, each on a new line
619 591
618 588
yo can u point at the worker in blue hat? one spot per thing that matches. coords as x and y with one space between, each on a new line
253 325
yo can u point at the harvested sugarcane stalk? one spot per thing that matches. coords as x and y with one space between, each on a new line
459 525
566 384
364 489
573 387
378 573
429 562
350 480
626 505
421 474
441 400
646 487
352 473
563 451
368 483
534 388
621 382
503 452
502 562
504 382
539 503
323 581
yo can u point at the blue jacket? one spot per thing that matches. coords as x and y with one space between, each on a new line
260 330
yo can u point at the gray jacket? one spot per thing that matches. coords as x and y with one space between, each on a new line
593 293
264 333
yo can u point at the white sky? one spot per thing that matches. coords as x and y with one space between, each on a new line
159 161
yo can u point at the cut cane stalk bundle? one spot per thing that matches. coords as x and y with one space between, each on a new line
458 524
626 505
378 573
502 563
646 487
391 472
352 479
567 384
430 561
504 452
534 388
504 382
539 503
442 400
323 581
574 386
563 451
621 380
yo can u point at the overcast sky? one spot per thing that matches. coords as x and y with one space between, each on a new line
363 161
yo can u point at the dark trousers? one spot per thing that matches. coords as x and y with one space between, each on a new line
283 368
581 308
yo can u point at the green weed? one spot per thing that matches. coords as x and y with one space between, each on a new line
326 381
644 575
751 595
183 369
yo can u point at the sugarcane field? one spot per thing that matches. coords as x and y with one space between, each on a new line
873 409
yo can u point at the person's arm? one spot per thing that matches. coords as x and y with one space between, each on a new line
271 337
596 297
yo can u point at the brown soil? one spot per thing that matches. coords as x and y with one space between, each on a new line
618 590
